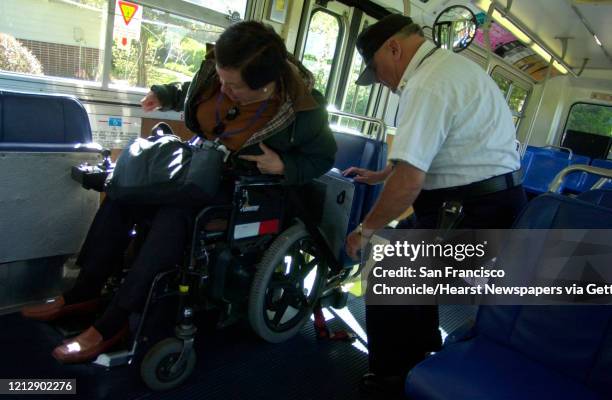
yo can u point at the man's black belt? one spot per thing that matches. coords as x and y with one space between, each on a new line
480 188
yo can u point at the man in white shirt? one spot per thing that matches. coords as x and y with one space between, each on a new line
454 154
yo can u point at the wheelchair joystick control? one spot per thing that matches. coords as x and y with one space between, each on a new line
93 177
106 160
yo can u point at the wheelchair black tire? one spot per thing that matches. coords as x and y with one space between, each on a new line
153 368
272 258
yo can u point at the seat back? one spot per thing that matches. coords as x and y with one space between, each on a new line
44 212
590 180
41 122
576 182
346 201
362 152
575 340
541 165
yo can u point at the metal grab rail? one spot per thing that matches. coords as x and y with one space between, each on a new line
571 153
557 183
381 135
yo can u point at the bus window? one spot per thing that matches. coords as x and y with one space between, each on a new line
502 82
356 98
321 45
517 99
515 95
170 49
588 130
36 38
590 118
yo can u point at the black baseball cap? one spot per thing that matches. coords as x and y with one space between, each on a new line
372 37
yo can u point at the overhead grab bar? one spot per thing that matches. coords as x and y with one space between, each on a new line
381 135
557 183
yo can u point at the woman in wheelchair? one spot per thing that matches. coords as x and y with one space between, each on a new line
259 102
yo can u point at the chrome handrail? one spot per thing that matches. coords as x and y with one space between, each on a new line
599 184
381 135
557 183
571 153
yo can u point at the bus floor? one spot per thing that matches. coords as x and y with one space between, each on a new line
232 362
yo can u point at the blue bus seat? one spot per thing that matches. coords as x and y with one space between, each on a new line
541 172
528 352
43 122
526 162
541 165
592 179
548 150
44 212
362 152
575 183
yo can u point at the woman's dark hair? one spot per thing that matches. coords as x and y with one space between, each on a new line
255 49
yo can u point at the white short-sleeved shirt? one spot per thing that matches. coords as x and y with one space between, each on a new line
453 121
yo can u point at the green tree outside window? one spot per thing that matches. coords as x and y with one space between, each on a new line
320 49
590 118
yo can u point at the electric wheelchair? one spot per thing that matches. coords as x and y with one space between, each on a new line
246 259
261 257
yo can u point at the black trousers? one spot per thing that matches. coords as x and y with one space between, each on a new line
400 336
169 230
106 243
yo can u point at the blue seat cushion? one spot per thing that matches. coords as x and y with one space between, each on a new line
480 369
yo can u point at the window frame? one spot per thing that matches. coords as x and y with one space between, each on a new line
337 50
514 82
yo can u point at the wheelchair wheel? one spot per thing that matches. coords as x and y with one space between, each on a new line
288 282
155 367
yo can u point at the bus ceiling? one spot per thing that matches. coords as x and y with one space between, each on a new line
581 26
572 31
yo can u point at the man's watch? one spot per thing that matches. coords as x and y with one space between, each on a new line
364 232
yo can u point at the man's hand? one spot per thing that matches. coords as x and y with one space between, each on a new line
354 244
269 162
150 102
367 176
399 192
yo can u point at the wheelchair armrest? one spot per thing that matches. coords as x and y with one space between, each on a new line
212 212
336 173
206 216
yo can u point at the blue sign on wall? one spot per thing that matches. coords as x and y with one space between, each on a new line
115 121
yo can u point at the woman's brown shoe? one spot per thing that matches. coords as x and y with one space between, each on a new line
56 307
88 345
